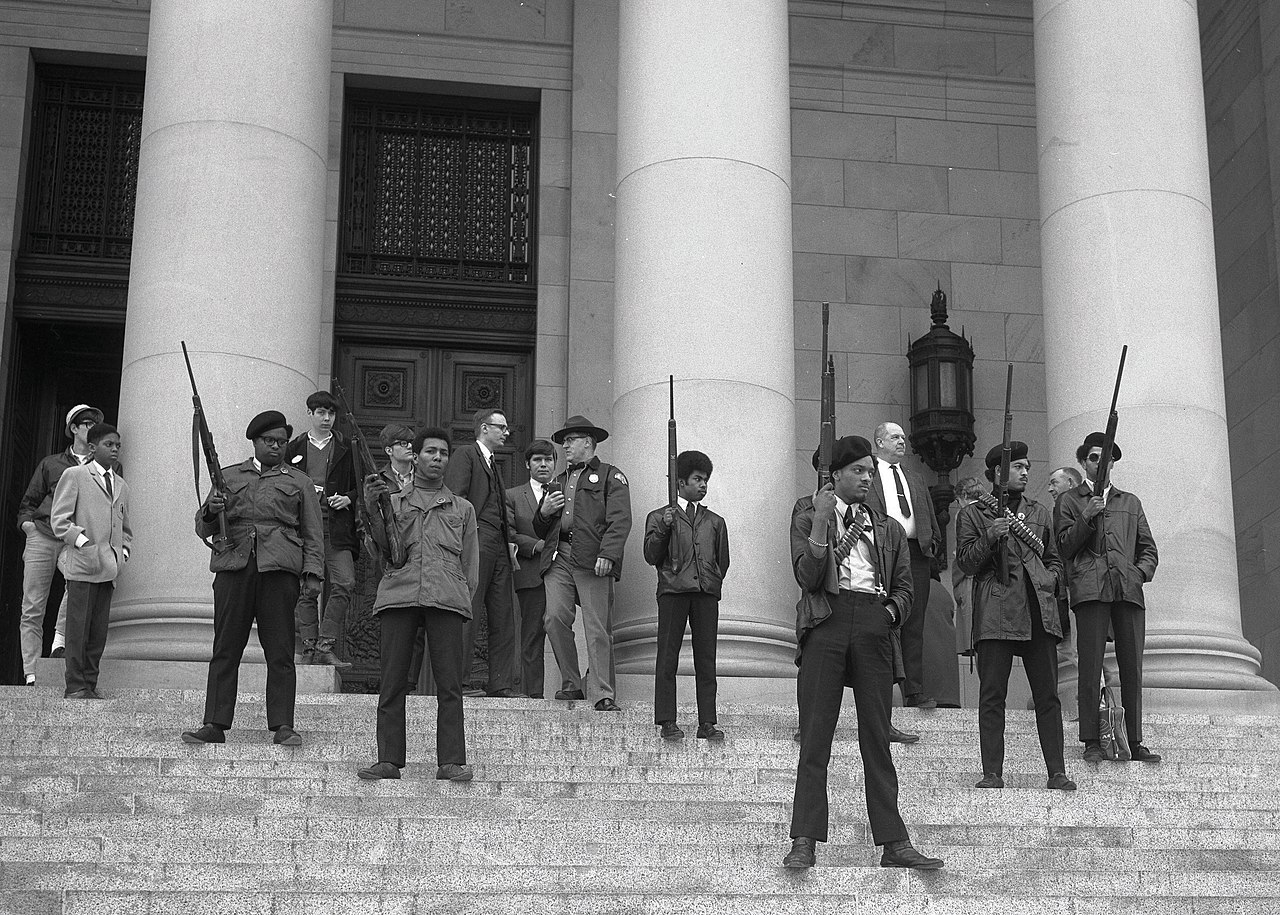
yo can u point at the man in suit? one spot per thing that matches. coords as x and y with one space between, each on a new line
90 514
531 594
277 545
322 454
855 581
473 473
587 517
903 496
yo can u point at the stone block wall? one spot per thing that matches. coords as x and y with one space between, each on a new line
914 165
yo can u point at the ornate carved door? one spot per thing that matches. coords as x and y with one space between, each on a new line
422 386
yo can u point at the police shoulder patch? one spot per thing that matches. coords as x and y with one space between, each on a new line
620 477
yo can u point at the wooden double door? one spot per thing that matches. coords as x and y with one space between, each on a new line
427 386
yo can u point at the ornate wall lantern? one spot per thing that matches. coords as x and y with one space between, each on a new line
941 404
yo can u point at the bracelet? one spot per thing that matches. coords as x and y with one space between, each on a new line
821 546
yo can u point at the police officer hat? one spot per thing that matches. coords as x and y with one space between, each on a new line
79 413
848 449
1017 451
264 422
1096 440
581 425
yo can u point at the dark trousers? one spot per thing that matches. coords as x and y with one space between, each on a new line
444 646
1040 660
912 631
1128 622
88 615
533 639
492 601
240 598
701 613
850 647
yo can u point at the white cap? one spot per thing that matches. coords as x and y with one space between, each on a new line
78 409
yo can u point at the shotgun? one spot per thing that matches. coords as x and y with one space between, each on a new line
673 486
1002 482
827 409
202 440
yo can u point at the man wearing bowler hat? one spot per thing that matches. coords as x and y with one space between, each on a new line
584 519
1109 554
276 538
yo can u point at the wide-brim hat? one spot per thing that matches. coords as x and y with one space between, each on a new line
1099 440
265 422
78 411
580 424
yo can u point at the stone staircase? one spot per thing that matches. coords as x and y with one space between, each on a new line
104 810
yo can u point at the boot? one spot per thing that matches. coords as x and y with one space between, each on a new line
323 654
303 656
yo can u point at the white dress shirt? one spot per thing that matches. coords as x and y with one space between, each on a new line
891 508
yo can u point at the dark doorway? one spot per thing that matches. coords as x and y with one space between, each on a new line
54 367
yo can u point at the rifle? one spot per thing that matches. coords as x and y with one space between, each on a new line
362 461
672 473
827 409
202 440
1102 477
1002 484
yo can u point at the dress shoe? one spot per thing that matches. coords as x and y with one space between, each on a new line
58 652
607 705
206 733
80 694
302 658
1058 781
1142 754
326 656
902 854
896 736
94 694
990 780
507 693
455 773
920 700
570 694
1094 753
379 770
473 692
708 731
802 854
670 731
286 736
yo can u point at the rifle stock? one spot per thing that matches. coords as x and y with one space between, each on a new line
362 458
672 473
1002 484
827 408
202 439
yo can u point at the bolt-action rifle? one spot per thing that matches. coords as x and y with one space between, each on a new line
672 474
202 440
1102 478
827 408
1002 481
362 460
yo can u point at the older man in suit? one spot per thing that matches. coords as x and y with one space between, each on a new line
90 514
473 473
531 595
903 496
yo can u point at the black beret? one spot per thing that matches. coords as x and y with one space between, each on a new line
849 449
1017 451
264 422
1099 440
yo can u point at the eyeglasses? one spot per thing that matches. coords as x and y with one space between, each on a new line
402 443
503 426
273 442
575 438
1094 458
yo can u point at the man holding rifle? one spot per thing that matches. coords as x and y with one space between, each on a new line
1109 554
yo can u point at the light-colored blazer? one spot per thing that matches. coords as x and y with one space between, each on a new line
81 506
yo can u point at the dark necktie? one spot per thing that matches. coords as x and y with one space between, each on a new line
106 477
574 467
689 510
904 504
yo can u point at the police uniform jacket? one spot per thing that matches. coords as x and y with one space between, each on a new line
690 556
275 514
601 518
442 565
339 481
37 501
1118 572
1003 611
819 576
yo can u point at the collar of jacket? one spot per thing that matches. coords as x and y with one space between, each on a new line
1085 489
281 468
594 464
425 499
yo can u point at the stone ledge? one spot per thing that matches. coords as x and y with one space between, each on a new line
117 674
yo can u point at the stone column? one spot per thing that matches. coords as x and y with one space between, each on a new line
704 293
228 256
1128 257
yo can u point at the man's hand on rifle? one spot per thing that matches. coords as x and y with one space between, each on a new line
824 505
1094 507
217 502
669 515
311 584
1000 528
553 502
374 486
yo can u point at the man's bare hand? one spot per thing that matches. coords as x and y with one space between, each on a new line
603 567
311 584
1000 528
551 504
1094 507
217 502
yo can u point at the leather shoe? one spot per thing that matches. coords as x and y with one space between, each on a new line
902 854
379 770
802 854
920 700
94 694
671 731
473 692
1058 781
58 652
80 694
206 733
326 656
570 694
990 780
896 736
708 731
505 694
607 705
287 737
1094 753
455 773
1142 754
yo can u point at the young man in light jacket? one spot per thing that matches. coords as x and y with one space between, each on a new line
90 514
433 589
